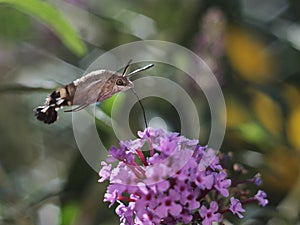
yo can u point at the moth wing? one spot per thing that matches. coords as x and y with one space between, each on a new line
89 87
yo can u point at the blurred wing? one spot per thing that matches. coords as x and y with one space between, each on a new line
89 87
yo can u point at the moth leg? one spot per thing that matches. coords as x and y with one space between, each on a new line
77 108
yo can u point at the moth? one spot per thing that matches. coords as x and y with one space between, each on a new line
94 87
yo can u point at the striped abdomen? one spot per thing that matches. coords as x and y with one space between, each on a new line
61 97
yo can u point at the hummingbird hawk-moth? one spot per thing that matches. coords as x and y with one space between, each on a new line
94 87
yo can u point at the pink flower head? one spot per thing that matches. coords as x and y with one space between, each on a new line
178 182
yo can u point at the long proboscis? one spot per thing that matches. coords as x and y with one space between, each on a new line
139 70
139 100
142 107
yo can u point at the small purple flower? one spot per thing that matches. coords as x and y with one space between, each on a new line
126 214
121 154
124 174
105 172
257 179
210 215
147 199
185 217
150 133
188 171
167 145
169 205
111 197
204 181
261 197
156 173
222 184
236 207
210 159
188 196
147 219
132 145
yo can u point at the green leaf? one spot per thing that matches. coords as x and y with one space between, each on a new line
106 105
253 132
52 17
15 26
69 213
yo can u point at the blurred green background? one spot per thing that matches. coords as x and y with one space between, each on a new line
253 48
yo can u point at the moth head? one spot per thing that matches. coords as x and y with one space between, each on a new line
122 82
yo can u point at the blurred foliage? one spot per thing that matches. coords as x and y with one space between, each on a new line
249 56
48 14
15 25
253 48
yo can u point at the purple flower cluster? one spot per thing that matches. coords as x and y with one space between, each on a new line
177 182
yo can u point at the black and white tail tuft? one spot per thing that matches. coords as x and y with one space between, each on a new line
59 98
47 114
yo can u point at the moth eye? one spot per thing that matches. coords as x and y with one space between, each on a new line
119 82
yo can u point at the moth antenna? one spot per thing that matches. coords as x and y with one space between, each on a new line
126 68
140 69
144 113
